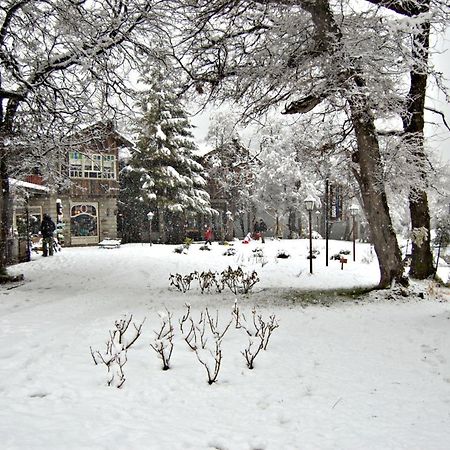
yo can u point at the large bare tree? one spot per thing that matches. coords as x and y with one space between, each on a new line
423 12
313 57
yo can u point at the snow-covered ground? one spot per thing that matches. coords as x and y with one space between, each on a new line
367 373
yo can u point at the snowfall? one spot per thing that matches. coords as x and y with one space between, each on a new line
342 370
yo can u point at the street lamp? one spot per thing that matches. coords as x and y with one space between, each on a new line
150 216
353 212
309 204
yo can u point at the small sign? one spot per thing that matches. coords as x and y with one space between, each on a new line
343 261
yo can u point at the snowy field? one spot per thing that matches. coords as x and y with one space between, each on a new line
364 373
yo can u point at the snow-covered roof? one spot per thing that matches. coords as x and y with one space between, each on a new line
27 185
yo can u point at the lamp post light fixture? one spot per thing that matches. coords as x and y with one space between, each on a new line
150 216
353 212
309 204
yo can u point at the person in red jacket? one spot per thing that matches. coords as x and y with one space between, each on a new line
208 236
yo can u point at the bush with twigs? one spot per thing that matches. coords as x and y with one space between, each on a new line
203 335
115 355
258 331
239 281
204 338
182 282
163 340
236 280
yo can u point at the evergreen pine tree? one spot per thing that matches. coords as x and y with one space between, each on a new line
132 219
172 179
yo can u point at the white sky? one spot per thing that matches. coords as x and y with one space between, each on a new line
441 135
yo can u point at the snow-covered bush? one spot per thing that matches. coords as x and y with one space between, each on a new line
209 280
163 341
199 335
337 256
229 252
258 256
115 355
181 249
238 281
182 282
283 254
258 333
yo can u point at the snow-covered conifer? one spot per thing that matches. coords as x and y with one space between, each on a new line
171 177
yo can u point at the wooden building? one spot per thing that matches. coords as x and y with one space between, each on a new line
86 211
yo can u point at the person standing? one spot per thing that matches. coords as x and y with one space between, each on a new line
208 236
47 229
262 228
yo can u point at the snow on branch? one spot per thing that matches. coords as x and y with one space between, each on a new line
163 342
115 355
258 332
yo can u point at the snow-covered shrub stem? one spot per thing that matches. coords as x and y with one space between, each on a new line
182 282
115 355
238 281
258 331
207 330
163 342
208 280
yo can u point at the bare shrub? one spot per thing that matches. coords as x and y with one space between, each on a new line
182 282
238 281
115 355
163 342
208 280
200 334
258 332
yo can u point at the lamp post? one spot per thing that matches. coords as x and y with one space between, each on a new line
309 204
354 211
150 218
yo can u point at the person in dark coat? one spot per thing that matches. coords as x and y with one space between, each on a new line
262 228
47 229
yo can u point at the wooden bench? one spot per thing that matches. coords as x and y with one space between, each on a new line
109 243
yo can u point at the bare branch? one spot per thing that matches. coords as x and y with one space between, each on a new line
440 113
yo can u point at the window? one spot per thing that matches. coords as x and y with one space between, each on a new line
83 220
109 167
94 166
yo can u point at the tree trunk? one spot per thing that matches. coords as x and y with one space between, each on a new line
291 223
162 225
5 213
370 179
421 256
413 123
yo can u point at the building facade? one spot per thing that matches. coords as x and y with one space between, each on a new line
86 211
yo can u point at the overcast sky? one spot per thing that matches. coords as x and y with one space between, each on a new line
440 135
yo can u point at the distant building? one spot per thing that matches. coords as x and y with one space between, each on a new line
86 211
